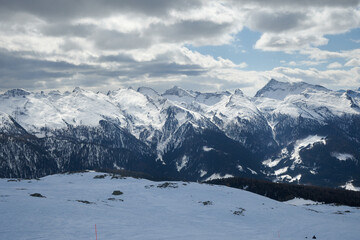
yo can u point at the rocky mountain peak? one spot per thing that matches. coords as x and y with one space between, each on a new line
148 91
177 91
280 90
17 92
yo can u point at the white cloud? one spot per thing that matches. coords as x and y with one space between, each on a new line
242 65
318 54
290 29
288 42
355 40
303 63
271 21
354 62
99 44
332 79
334 65
286 26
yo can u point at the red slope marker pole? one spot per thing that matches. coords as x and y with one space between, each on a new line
95 232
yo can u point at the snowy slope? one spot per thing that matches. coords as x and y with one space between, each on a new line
140 113
224 106
7 125
233 113
311 104
74 203
36 111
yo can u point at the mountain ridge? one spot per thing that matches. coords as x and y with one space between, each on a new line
279 90
181 133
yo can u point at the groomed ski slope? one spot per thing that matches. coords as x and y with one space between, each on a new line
145 211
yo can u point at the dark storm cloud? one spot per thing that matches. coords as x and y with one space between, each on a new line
276 22
66 10
69 45
64 29
104 39
151 69
189 30
153 7
114 40
18 71
69 9
159 67
163 69
120 58
13 61
300 3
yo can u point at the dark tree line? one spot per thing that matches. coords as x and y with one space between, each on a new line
285 191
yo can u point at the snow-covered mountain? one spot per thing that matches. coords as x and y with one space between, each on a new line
68 206
279 90
312 126
295 132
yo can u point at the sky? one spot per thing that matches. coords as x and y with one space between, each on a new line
201 45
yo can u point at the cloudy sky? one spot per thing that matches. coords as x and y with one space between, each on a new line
195 44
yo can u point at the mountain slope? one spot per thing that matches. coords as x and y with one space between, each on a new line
312 126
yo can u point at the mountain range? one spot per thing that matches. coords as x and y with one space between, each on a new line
288 132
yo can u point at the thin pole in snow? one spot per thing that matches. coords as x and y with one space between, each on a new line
95 232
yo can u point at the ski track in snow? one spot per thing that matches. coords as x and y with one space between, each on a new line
149 212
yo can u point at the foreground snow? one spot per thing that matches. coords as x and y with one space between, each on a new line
152 210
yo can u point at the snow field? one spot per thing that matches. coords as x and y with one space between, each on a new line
179 211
